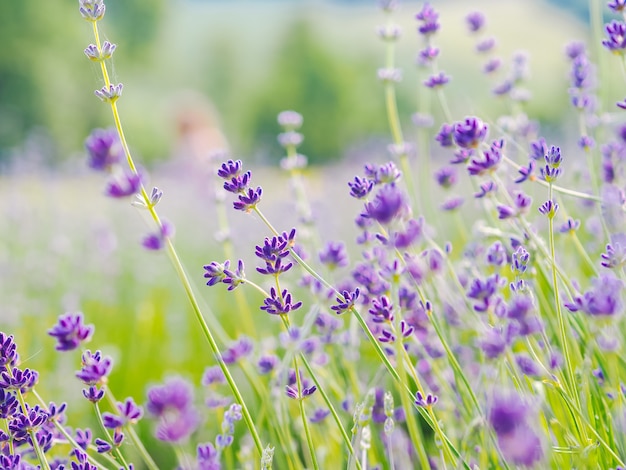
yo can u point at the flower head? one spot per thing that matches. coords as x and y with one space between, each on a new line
475 21
388 204
603 299
70 331
104 149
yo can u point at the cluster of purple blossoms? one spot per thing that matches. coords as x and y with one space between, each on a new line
27 427
291 389
238 182
216 273
604 299
509 416
521 206
172 404
70 331
105 154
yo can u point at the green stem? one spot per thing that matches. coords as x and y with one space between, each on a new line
305 423
179 268
68 436
571 378
116 451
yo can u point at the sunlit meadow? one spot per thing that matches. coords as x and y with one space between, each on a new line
457 302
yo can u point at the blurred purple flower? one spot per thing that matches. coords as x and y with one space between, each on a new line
70 331
104 149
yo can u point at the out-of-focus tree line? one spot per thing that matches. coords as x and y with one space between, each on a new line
251 61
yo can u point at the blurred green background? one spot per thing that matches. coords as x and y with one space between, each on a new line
243 62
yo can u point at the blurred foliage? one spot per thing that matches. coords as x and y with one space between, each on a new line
332 93
45 80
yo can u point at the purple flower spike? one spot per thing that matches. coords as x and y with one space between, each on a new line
175 394
104 149
388 204
526 173
334 255
239 183
437 80
93 394
508 416
549 208
230 169
475 21
616 37
95 368
70 331
19 379
444 137
346 301
492 65
8 350
486 189
452 203
241 348
493 343
569 226
446 177
130 411
615 256
360 187
486 45
279 304
425 401
470 133
156 241
488 163
617 6
290 120
123 184
248 200
428 18
603 300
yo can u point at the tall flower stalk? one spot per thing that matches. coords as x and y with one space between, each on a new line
93 11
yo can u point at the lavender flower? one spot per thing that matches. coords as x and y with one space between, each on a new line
425 401
437 81
22 380
388 204
172 403
427 55
156 241
616 37
470 133
96 368
281 304
110 94
8 350
70 331
360 187
604 298
334 255
241 348
92 10
346 301
104 149
445 135
290 120
485 45
123 184
428 19
475 21
508 415
249 200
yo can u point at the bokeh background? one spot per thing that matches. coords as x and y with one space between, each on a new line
250 60
199 75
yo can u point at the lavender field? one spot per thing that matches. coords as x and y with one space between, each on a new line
444 292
